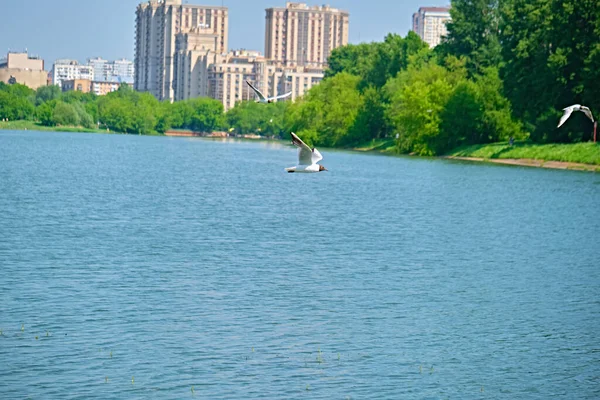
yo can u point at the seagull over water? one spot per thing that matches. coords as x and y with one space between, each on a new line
575 107
263 99
307 158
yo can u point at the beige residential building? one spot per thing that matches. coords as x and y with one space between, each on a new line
299 35
194 52
101 88
158 22
297 80
24 69
430 24
228 75
79 85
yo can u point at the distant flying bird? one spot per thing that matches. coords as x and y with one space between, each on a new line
575 107
307 157
263 99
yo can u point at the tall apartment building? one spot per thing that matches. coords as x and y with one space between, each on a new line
430 24
24 69
112 71
70 70
299 35
158 22
194 52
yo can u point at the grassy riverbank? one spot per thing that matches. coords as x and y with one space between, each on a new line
33 126
585 153
379 145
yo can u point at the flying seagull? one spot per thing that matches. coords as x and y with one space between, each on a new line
263 99
575 107
307 157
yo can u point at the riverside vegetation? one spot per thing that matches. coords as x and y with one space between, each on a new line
506 69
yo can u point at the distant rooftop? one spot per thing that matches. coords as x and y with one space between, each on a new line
303 6
30 56
434 9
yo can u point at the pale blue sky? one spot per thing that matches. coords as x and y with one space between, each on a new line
82 29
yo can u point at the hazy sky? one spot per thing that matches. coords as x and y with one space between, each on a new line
81 29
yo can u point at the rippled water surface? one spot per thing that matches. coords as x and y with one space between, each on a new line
152 267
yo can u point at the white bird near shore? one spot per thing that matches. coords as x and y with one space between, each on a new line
307 158
263 99
575 107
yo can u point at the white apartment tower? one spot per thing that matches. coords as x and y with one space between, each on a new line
112 71
158 22
69 70
299 35
430 24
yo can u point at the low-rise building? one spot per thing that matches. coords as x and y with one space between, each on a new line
23 68
228 75
101 88
79 85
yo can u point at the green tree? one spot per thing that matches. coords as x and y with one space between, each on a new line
47 93
391 57
143 118
330 109
16 102
246 117
65 114
353 59
263 119
181 113
370 122
208 114
473 33
116 113
418 98
548 47
45 112
85 119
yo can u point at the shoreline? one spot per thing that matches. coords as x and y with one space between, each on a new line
530 162
521 162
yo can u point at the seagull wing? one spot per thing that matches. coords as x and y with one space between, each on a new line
565 116
304 152
282 96
587 112
316 156
258 92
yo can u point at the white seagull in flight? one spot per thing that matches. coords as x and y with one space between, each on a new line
575 107
263 99
307 157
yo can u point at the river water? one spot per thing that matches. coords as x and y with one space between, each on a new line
150 267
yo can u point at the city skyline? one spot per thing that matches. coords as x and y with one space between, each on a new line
85 38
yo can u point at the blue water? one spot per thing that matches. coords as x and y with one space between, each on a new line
169 268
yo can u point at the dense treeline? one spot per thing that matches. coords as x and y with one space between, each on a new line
507 68
123 111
